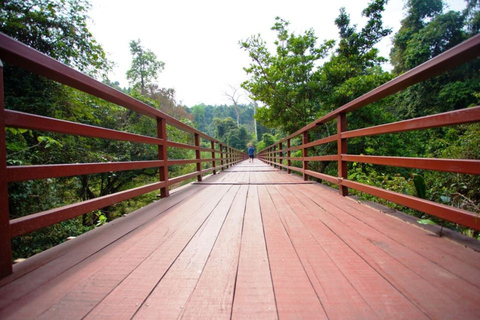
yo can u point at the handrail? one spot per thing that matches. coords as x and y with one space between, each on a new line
16 53
275 154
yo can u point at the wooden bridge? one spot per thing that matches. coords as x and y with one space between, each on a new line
246 240
251 242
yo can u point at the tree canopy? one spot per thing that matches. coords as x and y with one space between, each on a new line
145 66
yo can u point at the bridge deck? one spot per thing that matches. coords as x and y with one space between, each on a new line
251 242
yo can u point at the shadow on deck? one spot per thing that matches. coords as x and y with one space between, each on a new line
251 242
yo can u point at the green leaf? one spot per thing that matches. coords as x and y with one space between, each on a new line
420 186
426 221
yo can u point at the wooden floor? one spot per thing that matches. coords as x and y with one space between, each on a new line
251 242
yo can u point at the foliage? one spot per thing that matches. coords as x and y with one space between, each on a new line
285 81
145 66
57 28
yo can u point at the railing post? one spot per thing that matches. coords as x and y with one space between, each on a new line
274 156
280 153
213 156
163 156
289 162
221 156
227 156
5 245
305 154
198 157
342 149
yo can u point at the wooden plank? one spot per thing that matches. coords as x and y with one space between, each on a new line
170 296
254 296
339 297
462 262
129 296
380 294
213 295
101 271
71 252
294 293
424 292
121 299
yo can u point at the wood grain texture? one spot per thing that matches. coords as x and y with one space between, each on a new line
294 293
254 296
249 251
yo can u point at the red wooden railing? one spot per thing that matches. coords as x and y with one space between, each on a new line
462 53
18 54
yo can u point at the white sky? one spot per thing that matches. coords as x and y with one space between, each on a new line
198 40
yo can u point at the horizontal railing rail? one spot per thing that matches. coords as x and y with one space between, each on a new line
22 56
277 153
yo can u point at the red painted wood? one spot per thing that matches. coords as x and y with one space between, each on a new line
195 237
213 156
336 243
448 165
5 247
438 120
23 173
342 149
339 297
163 156
294 293
214 292
29 59
318 142
463 262
254 297
43 219
183 177
289 161
98 295
460 54
34 276
18 119
320 158
180 145
416 285
305 154
463 217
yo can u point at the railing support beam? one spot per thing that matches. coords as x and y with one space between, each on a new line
213 156
221 156
342 149
305 154
5 246
289 162
163 156
198 156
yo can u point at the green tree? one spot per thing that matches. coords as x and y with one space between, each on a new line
223 128
285 80
145 66
354 68
57 28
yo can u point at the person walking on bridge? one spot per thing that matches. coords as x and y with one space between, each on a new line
251 152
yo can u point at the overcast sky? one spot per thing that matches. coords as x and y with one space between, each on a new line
198 40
